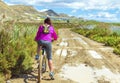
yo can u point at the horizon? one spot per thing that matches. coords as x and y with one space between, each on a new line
106 11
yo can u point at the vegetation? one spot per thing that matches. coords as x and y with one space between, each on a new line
17 48
18 45
101 33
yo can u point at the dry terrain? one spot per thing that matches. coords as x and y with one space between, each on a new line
78 59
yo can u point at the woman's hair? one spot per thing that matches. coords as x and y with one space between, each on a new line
48 21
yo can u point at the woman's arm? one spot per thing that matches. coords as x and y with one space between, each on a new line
38 33
54 35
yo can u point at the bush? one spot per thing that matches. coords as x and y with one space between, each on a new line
2 78
16 50
116 51
23 64
112 41
101 33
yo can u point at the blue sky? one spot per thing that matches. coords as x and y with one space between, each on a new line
101 10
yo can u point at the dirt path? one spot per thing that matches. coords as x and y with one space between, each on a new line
75 51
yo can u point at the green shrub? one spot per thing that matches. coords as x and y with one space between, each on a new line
23 64
17 49
117 51
101 33
2 78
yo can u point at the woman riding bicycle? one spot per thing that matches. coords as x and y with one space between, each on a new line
44 37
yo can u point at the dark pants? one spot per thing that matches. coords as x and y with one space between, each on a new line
48 48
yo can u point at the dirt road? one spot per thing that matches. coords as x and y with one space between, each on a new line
80 60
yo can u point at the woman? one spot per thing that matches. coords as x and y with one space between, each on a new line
44 37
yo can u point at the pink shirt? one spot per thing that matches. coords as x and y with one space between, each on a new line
47 37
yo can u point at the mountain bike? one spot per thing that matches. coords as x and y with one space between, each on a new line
42 64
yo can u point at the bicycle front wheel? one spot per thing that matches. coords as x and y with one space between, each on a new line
44 64
39 71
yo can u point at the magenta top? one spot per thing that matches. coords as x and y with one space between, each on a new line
47 37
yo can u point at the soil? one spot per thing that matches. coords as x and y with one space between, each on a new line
73 50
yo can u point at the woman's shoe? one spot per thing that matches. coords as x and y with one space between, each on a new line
51 74
36 57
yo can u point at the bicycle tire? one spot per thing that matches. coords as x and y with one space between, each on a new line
39 71
41 63
44 64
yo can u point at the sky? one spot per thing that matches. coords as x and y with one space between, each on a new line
100 10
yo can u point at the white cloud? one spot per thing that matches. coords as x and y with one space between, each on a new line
106 16
74 4
43 10
94 4
99 9
30 2
73 11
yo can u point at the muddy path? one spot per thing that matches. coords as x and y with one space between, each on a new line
73 50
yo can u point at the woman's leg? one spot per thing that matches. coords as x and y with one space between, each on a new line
38 52
48 49
38 49
49 56
50 64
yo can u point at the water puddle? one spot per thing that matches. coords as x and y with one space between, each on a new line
80 40
87 74
94 54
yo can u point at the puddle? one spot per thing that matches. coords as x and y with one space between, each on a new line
58 52
80 40
94 54
64 52
72 52
64 43
61 52
78 74
86 74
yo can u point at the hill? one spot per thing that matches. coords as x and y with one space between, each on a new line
28 13
50 13
23 9
5 9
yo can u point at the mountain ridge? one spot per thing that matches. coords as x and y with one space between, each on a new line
27 12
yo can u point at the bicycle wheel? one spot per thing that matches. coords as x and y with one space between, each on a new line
39 71
41 65
44 65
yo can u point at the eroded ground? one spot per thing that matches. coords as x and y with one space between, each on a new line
80 60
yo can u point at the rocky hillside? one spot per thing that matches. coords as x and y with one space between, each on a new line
23 9
5 9
25 12
17 11
51 13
